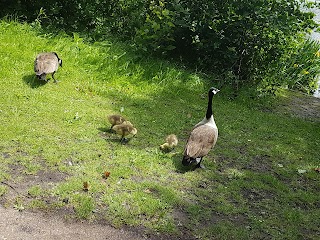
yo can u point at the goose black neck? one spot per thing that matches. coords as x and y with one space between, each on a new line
209 109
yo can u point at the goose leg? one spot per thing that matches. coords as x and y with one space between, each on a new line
122 140
54 80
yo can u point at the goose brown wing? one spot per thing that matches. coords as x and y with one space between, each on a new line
46 63
201 140
36 68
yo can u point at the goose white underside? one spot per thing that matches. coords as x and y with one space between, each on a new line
209 122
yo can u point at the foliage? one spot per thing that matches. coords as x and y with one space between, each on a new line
244 39
298 69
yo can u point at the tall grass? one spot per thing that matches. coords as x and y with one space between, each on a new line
297 69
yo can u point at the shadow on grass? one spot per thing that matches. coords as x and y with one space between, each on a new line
104 130
110 136
177 162
33 82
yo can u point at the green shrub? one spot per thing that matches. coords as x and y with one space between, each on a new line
245 37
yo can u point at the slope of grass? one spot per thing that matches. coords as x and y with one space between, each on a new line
260 180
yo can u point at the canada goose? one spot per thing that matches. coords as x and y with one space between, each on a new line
115 119
171 142
125 129
47 63
202 138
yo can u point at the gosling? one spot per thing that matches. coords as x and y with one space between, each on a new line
170 144
124 129
115 119
47 63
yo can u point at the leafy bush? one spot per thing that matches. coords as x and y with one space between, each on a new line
245 38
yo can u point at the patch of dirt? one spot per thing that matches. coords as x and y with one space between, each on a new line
302 106
27 225
21 183
254 195
260 163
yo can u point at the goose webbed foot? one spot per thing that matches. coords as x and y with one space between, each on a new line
200 165
124 140
55 80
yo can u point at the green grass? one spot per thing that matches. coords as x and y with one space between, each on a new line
54 138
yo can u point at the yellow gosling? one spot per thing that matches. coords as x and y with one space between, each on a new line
170 144
125 129
115 119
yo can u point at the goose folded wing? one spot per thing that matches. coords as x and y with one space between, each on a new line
46 63
51 65
201 140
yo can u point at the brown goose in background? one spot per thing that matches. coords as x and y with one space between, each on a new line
46 63
202 138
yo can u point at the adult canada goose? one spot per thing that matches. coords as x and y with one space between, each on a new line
171 143
202 138
115 119
124 129
47 63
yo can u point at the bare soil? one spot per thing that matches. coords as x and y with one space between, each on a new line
15 225
302 106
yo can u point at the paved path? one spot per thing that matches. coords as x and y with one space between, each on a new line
15 225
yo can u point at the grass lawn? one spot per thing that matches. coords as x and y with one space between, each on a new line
260 181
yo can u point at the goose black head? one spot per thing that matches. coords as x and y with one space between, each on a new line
214 90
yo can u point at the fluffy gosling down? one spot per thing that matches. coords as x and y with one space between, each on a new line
202 138
115 119
170 144
46 63
124 129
